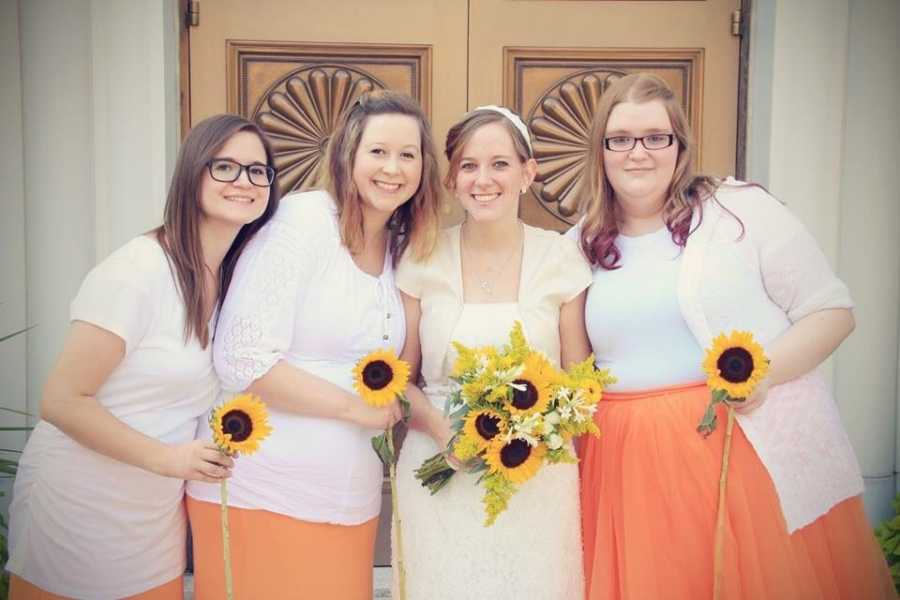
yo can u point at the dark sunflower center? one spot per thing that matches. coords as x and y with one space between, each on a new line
735 365
524 399
487 426
515 453
238 424
377 374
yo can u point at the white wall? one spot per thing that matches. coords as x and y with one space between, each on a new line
100 120
824 137
12 235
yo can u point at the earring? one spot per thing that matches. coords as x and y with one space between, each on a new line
524 189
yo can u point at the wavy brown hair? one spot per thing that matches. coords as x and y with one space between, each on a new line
460 134
179 235
687 190
414 223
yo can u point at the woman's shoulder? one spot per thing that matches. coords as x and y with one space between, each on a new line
140 259
746 197
305 210
549 241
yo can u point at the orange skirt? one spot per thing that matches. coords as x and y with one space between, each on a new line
276 556
19 589
649 494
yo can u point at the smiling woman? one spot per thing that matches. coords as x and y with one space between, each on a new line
102 476
314 292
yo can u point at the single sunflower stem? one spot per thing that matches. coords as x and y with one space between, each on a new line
395 512
719 544
226 541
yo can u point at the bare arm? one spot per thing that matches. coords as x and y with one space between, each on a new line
573 339
291 389
89 356
800 349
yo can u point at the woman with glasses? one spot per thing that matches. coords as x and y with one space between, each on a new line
313 293
679 258
97 509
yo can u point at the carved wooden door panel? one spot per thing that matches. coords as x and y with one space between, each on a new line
550 60
294 64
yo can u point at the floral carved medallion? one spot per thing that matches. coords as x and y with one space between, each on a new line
299 112
560 122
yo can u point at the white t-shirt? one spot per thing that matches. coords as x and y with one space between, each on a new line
297 296
634 320
82 524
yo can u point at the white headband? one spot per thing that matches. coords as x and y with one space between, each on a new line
517 122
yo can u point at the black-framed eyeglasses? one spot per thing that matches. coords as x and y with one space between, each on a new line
624 143
227 170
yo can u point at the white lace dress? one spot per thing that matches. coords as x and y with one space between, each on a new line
533 550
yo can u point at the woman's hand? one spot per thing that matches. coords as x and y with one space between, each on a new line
440 430
371 417
197 460
754 400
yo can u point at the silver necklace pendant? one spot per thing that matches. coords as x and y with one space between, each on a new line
486 287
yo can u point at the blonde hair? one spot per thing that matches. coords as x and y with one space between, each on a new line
415 223
687 190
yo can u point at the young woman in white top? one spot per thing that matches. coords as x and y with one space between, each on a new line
313 293
97 508
678 259
485 275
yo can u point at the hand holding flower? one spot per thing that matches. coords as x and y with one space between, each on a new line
196 460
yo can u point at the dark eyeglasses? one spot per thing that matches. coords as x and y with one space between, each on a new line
227 170
654 141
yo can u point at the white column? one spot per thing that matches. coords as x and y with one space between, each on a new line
100 95
869 258
58 172
12 238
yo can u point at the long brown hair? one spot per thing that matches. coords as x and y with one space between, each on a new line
414 223
460 134
687 189
179 235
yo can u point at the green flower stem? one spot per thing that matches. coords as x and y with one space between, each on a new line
719 541
226 541
395 511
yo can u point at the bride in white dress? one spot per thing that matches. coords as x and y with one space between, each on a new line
482 277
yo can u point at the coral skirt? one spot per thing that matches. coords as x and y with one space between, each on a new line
649 494
19 589
274 556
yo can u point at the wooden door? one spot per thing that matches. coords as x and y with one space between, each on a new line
294 64
550 60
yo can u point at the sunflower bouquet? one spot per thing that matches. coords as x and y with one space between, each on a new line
513 411
238 426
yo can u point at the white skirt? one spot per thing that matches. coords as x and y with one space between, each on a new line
533 549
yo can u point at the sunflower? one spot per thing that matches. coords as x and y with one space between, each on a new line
483 425
380 376
240 424
735 364
531 391
516 460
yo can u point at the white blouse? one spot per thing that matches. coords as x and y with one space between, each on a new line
83 525
297 296
763 280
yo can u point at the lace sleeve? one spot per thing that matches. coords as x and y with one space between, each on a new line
256 325
795 272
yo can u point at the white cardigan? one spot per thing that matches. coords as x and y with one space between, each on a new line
763 281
